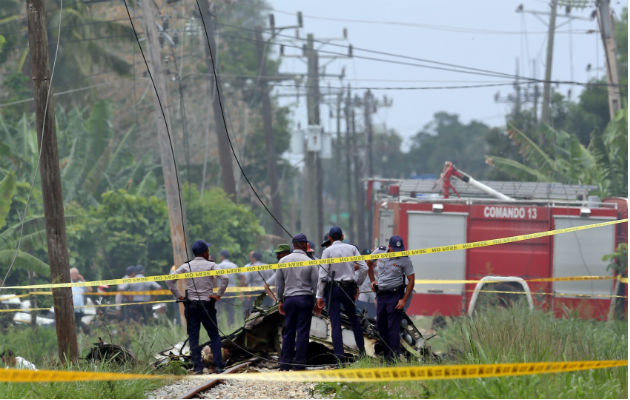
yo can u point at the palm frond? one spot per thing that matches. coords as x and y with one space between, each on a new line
25 261
530 150
518 170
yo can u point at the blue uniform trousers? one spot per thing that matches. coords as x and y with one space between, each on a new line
297 321
197 313
388 322
338 298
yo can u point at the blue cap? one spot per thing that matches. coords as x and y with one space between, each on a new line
396 243
335 232
130 270
139 268
224 253
300 238
256 255
199 247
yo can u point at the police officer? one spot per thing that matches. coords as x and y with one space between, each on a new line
130 272
338 285
391 296
367 298
280 251
200 304
256 279
236 280
142 311
296 289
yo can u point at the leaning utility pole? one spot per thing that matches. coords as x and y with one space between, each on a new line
171 189
276 205
51 181
546 106
606 27
311 224
225 152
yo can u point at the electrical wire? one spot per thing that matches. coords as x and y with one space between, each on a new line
445 28
79 89
227 133
41 147
439 65
174 162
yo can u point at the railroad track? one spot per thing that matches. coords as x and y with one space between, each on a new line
194 394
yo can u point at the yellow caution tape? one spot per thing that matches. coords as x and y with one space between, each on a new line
133 303
607 296
295 264
44 375
555 279
388 374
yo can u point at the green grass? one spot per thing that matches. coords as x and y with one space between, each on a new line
513 335
39 345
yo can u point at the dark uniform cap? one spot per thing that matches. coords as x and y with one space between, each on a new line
199 247
130 270
396 243
335 231
300 238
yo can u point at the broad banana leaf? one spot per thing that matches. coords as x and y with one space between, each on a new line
24 261
7 190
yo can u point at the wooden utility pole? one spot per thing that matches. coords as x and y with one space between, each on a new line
358 189
369 107
310 199
272 179
225 152
51 181
606 27
338 156
171 189
348 155
551 33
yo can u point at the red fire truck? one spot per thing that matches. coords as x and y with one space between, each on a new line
425 215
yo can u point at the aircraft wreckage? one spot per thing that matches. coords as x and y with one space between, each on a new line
259 340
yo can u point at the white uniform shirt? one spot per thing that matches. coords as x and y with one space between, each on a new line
78 299
235 279
344 271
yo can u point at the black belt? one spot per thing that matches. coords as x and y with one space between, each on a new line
345 284
399 289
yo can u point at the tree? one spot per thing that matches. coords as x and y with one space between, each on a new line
12 195
446 138
86 40
564 159
389 160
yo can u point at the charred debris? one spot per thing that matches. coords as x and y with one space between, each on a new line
258 341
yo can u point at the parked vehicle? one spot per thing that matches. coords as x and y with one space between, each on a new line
424 215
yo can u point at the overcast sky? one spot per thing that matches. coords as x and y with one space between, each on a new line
487 34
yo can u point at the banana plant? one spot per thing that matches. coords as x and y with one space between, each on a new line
22 261
564 159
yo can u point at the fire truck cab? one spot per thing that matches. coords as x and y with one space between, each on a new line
424 216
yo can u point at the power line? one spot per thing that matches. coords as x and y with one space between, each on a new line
455 68
446 28
60 93
342 88
238 162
